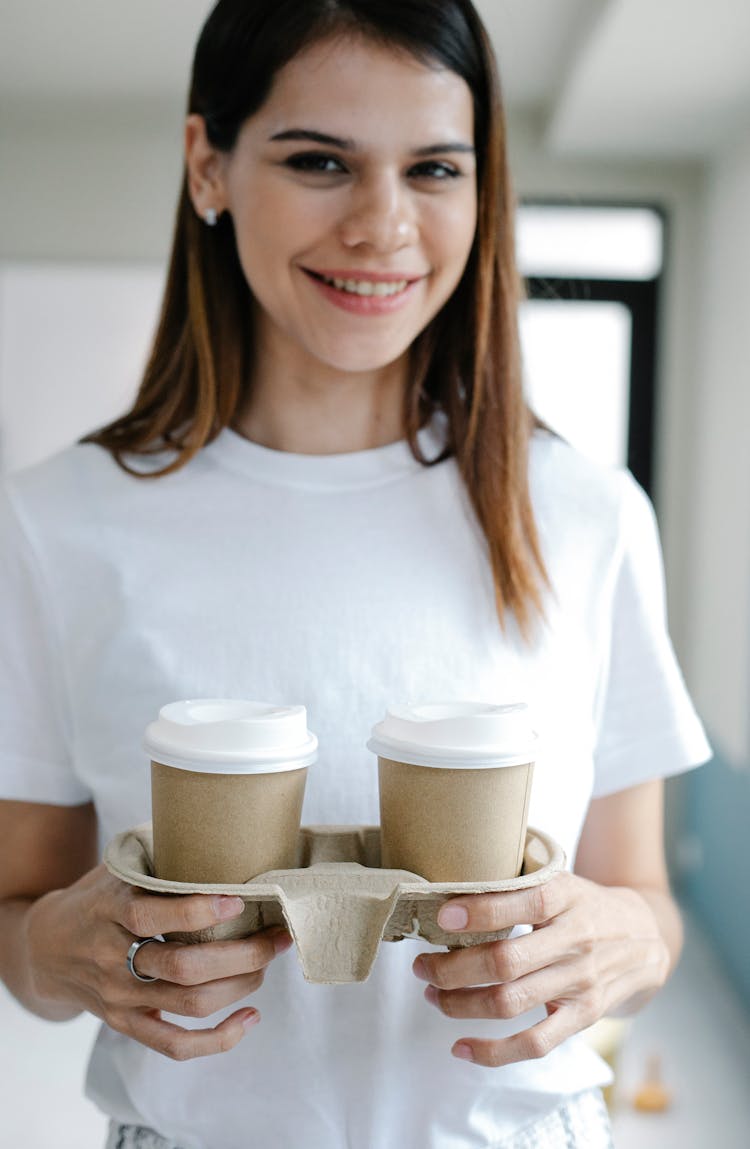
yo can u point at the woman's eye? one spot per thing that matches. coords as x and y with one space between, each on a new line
315 162
435 170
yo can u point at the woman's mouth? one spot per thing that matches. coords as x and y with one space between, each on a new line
365 287
376 293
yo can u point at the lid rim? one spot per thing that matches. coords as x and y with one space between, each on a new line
224 765
450 758
269 754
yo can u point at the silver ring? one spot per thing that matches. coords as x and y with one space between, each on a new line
131 957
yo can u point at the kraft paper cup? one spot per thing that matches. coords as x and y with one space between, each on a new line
227 785
455 781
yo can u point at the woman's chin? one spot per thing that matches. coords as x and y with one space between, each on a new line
359 363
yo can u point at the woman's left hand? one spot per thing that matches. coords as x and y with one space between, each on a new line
592 948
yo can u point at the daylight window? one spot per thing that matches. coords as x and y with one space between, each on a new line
590 242
588 329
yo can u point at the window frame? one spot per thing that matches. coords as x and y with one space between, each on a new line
642 298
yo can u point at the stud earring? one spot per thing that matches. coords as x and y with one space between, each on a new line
211 217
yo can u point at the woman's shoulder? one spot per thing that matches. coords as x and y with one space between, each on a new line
67 478
83 474
78 488
577 495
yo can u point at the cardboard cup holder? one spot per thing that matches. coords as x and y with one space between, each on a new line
338 904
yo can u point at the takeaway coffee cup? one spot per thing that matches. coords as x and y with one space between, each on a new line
455 780
227 784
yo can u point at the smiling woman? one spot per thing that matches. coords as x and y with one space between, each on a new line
330 490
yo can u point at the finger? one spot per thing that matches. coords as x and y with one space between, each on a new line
200 1000
511 999
210 961
485 913
147 915
528 1045
150 1029
504 960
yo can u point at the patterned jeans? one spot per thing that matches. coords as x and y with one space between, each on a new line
581 1123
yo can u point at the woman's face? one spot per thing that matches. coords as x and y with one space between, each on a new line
353 195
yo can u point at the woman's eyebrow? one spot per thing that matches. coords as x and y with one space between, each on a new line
348 145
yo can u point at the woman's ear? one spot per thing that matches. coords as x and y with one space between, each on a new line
205 169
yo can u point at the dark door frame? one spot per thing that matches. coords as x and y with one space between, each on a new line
642 299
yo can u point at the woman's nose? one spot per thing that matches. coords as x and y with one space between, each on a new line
381 215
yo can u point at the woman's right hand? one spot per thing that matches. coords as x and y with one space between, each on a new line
77 943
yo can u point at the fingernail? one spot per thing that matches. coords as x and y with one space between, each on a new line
420 969
463 1052
251 1020
453 917
228 907
282 941
432 995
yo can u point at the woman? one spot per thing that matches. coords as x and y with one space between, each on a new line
330 490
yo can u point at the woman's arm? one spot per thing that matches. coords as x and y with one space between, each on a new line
66 925
604 939
43 848
622 844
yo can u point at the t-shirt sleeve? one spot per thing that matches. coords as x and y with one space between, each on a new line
647 726
35 744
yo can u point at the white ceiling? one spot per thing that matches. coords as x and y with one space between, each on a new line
612 77
535 40
658 77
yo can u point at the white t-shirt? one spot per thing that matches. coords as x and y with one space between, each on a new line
346 583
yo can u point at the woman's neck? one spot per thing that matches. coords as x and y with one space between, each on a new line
324 412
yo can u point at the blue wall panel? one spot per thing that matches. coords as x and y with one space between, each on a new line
718 890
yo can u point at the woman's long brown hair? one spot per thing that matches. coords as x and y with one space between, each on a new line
466 364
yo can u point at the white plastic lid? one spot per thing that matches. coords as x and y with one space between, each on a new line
229 736
456 735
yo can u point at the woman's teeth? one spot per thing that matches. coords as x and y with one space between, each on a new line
365 287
